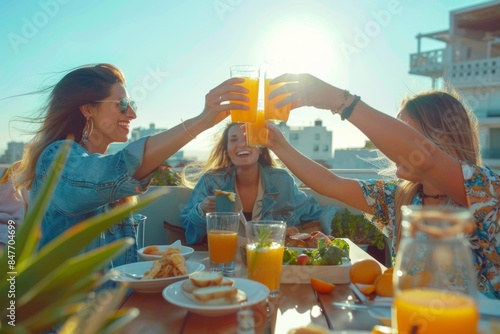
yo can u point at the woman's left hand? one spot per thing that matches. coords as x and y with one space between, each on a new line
223 98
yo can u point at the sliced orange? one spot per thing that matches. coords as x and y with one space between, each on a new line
321 286
366 289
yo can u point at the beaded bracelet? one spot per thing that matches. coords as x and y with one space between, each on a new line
185 129
348 111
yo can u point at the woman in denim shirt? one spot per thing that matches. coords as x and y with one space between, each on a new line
91 105
263 191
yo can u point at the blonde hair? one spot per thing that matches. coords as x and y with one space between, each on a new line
219 160
61 117
450 125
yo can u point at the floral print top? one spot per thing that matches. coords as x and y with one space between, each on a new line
482 188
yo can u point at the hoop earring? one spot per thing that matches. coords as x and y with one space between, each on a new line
87 131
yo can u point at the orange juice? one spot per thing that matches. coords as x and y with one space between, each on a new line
222 246
242 116
257 131
434 312
272 113
264 264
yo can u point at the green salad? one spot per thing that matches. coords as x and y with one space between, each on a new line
324 254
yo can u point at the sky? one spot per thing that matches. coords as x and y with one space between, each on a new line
173 52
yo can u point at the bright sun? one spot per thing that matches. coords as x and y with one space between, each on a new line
307 47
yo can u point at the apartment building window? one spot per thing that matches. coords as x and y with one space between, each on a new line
294 136
316 136
325 148
316 148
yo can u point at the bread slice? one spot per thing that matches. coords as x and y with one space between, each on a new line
216 295
206 278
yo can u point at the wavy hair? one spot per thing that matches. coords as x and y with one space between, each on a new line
60 118
450 125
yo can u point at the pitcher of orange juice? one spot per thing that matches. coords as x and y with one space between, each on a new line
435 281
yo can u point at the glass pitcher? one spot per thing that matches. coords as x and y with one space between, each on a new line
434 276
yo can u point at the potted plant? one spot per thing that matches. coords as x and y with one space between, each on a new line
357 228
55 285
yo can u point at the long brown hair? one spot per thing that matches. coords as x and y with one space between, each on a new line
219 160
61 117
449 124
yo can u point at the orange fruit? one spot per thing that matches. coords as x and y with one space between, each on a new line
321 286
389 270
364 271
420 279
383 285
366 289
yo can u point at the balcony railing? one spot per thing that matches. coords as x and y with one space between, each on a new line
477 72
429 63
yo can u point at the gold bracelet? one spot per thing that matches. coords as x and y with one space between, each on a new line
185 129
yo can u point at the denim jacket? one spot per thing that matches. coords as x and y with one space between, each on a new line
282 200
88 186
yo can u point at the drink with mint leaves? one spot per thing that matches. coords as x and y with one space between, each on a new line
265 246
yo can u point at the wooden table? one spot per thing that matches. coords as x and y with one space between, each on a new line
297 305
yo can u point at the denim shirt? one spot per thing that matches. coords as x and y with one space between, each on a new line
282 200
88 186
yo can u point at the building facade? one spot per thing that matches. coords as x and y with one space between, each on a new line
469 62
13 153
314 142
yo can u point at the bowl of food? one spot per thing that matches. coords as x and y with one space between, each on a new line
155 252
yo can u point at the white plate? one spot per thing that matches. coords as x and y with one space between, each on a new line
256 292
185 251
151 285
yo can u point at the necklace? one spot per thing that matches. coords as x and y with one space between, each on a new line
424 195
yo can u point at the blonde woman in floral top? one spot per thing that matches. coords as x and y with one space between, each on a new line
434 145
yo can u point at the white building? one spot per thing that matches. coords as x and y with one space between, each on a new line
314 142
13 153
470 61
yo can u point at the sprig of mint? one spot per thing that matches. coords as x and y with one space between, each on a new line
264 237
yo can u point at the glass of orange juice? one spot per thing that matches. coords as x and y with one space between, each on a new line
434 278
251 74
265 247
273 69
257 132
222 232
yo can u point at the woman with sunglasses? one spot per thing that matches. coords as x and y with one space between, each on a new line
90 106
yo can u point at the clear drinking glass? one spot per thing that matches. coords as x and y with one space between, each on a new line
140 228
251 74
273 69
222 232
257 132
434 280
265 247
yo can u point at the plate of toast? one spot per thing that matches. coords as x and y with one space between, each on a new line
212 294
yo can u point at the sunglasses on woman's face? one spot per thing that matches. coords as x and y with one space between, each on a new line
123 104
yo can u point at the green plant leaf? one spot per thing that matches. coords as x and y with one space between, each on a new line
70 243
119 319
70 271
36 210
99 312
